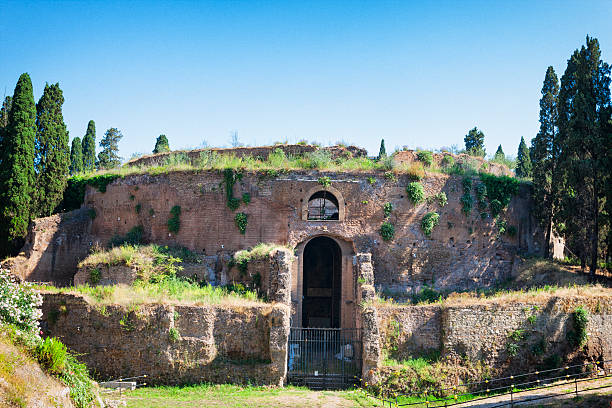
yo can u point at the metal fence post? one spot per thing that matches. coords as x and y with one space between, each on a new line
511 397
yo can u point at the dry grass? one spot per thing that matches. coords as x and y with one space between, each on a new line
259 251
171 291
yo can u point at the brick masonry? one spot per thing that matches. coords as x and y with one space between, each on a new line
462 252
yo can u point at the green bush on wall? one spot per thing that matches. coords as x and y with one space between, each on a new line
387 231
174 222
241 220
429 221
426 157
416 192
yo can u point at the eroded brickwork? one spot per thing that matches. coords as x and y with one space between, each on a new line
173 344
462 252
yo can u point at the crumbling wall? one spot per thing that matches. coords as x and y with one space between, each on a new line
505 335
173 344
54 246
463 251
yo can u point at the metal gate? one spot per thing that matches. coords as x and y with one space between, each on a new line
324 358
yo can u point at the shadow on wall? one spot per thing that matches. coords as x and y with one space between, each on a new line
53 248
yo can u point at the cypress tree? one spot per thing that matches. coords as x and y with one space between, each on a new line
76 156
544 154
89 147
4 113
584 140
17 168
474 142
523 161
161 145
52 157
109 157
499 154
382 152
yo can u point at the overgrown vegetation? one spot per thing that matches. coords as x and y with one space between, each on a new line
174 222
578 336
466 198
429 221
387 231
415 192
241 221
19 315
426 157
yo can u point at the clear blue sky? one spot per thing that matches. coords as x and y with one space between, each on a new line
414 73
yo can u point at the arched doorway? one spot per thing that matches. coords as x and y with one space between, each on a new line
322 289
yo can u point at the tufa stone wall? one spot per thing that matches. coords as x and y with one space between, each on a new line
481 331
219 344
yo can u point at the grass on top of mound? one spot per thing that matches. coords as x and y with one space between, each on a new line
170 290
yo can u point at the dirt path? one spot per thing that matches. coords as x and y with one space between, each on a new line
561 394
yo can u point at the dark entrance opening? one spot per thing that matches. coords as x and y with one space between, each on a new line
322 283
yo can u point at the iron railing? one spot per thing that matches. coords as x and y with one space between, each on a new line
510 387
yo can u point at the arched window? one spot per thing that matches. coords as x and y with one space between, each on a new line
322 205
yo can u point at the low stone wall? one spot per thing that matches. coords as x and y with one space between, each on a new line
508 336
410 331
173 344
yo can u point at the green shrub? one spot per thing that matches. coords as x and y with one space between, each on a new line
173 334
387 231
76 377
92 213
427 295
579 336
466 199
371 180
429 221
481 195
386 163
75 189
174 222
138 208
230 178
94 276
51 354
426 157
496 207
511 230
319 159
416 192
500 188
246 198
133 237
441 198
241 220
448 161
387 208
390 176
324 181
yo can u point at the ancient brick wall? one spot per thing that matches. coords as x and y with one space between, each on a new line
462 252
217 343
483 331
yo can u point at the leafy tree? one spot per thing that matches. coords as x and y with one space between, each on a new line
89 147
584 140
499 154
544 153
474 142
52 157
161 145
109 157
76 156
382 152
17 168
523 161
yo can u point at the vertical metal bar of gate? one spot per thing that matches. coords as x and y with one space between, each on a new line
324 358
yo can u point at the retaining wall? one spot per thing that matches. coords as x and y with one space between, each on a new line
215 343
482 331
